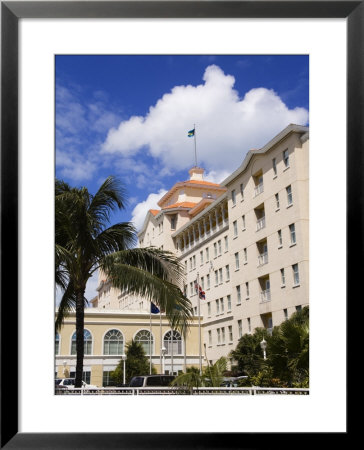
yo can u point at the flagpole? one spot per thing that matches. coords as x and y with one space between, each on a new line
150 341
194 136
160 338
199 322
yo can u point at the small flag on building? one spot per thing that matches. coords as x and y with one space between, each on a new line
153 308
191 133
201 293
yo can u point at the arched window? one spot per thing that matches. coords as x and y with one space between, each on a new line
177 343
146 340
113 343
56 351
87 342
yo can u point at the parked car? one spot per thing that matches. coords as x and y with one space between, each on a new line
151 380
69 383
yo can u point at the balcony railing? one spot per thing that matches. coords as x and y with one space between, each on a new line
260 223
263 259
258 189
265 296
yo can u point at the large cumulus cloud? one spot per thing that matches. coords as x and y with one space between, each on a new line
227 125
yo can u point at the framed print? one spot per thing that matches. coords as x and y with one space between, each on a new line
32 34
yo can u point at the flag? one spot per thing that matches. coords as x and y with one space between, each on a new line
201 293
191 133
153 308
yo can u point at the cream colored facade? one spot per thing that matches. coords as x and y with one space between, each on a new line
244 241
103 354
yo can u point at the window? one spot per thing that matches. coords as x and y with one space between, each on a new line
226 243
216 277
207 254
292 231
230 333
190 263
220 276
219 246
237 261
201 257
209 309
210 337
222 306
240 328
227 272
283 278
247 289
242 191
186 265
238 295
286 158
274 163
56 351
208 281
202 283
173 342
215 250
245 255
223 335
106 378
173 223
191 289
228 298
249 325
296 275
87 342
233 197
285 314
277 201
146 340
113 343
289 195
243 219
298 308
218 336
217 306
235 225
280 241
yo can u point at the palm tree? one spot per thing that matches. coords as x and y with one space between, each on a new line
86 243
212 376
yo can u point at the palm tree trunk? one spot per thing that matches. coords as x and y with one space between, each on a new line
79 337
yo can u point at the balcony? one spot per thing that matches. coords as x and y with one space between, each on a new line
263 259
258 189
265 296
261 223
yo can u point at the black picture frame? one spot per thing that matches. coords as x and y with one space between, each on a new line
11 12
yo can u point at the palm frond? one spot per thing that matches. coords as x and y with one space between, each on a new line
167 296
120 236
161 263
110 197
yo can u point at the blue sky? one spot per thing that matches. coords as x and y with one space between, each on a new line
129 116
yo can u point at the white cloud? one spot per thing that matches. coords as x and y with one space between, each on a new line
140 211
226 126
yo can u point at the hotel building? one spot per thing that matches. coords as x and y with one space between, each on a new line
244 241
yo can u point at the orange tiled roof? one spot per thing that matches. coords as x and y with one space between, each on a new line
208 183
154 211
181 205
